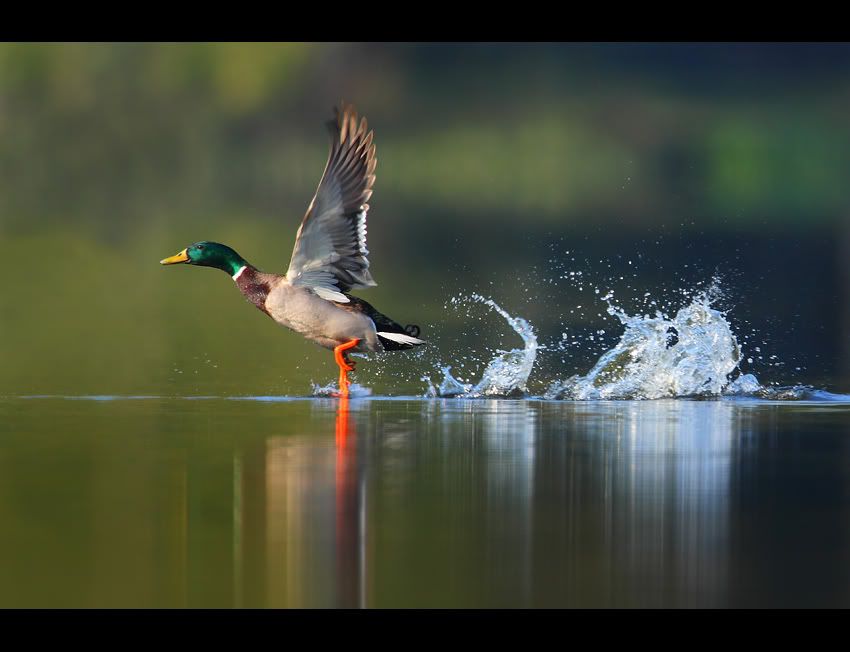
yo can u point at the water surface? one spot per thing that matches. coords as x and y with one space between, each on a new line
276 502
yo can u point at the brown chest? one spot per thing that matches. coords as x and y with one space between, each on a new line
253 287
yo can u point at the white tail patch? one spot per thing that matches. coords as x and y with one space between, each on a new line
401 338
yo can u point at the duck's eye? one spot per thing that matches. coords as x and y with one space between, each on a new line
200 247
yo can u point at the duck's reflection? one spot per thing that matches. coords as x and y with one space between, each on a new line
350 513
528 502
315 515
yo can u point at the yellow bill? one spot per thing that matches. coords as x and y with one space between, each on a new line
182 257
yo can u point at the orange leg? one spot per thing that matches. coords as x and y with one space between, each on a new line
344 365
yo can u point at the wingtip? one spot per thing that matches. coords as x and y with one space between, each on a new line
345 108
347 124
337 124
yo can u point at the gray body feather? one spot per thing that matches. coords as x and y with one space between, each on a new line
319 320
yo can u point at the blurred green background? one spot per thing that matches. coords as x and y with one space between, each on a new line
661 164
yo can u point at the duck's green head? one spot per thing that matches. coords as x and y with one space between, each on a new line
209 254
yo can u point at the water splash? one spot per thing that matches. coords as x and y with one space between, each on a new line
505 375
331 389
747 386
693 353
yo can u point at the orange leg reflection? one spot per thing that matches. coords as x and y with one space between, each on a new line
348 499
342 428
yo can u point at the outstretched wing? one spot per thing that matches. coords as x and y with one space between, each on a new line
330 247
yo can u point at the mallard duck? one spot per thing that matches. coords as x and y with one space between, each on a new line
329 260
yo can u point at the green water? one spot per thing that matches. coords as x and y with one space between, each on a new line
273 502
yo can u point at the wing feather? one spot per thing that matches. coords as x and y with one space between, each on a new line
330 251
